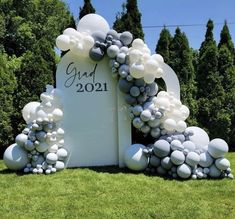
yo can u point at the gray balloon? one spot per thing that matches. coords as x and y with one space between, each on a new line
96 54
113 33
124 85
99 36
117 43
126 38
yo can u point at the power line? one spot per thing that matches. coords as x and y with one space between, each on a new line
184 25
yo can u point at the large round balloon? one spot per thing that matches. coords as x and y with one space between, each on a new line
15 157
200 138
92 23
29 111
134 157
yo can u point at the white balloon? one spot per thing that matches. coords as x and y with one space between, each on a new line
200 138
88 42
184 111
169 124
149 78
158 57
134 55
138 43
137 70
181 126
72 32
57 114
29 111
159 73
63 42
151 66
91 23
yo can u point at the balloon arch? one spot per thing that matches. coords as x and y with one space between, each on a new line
178 151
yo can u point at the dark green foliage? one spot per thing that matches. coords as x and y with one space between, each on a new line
7 86
129 19
30 28
163 44
227 71
226 40
181 60
211 95
86 9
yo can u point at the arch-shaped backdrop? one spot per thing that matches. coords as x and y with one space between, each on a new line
95 129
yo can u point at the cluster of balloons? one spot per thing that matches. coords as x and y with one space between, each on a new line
178 151
77 42
182 155
40 146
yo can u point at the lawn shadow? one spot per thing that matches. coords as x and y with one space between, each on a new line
117 170
8 172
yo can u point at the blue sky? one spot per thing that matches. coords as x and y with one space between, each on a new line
169 12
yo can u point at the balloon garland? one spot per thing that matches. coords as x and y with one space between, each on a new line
178 151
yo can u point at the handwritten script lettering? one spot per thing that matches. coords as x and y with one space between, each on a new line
76 75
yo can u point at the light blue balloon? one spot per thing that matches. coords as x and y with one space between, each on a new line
166 163
154 161
130 100
124 68
155 132
137 110
145 115
161 148
205 159
137 122
112 51
121 58
142 98
145 129
134 91
140 82
21 139
153 89
124 85
177 157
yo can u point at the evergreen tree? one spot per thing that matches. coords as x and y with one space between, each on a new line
7 86
31 29
181 60
163 44
210 94
86 9
226 69
36 71
129 19
226 40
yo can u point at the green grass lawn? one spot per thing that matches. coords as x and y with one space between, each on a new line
113 193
